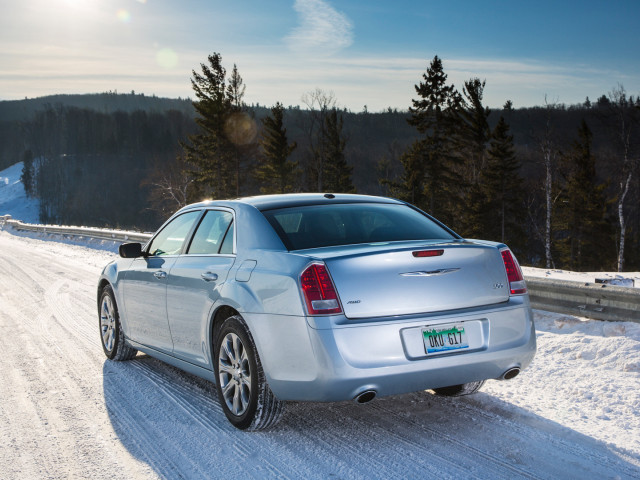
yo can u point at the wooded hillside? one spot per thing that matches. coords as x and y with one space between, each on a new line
119 160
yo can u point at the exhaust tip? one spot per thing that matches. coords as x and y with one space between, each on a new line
365 397
511 373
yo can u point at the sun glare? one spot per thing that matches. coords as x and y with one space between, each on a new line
124 15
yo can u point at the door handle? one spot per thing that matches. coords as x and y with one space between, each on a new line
160 274
209 276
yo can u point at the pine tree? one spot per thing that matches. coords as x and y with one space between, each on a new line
210 152
430 178
236 89
502 192
276 173
474 133
472 140
240 128
580 219
337 174
27 176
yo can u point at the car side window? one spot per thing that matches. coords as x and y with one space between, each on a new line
210 235
170 239
227 243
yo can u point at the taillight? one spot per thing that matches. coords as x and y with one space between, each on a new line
318 290
517 286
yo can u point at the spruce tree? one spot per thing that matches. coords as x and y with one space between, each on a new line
337 174
430 178
210 152
472 141
580 219
27 176
276 173
502 193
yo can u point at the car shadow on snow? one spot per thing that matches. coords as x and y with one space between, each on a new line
173 422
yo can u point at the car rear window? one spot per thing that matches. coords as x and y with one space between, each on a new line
346 224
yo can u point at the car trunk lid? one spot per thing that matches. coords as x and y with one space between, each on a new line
419 279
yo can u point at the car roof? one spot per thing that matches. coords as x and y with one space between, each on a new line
271 202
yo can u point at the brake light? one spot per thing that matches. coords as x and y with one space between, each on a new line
517 285
428 253
319 292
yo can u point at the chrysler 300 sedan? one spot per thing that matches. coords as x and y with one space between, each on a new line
317 297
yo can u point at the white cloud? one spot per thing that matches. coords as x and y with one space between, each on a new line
322 29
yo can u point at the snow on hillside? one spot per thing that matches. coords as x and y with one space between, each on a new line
13 200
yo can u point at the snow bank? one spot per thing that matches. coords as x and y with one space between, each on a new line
623 279
13 199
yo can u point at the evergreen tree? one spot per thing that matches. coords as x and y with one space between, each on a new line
502 192
240 128
430 178
236 89
210 152
580 219
276 173
474 133
472 140
337 174
27 177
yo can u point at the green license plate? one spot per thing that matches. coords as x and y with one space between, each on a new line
444 338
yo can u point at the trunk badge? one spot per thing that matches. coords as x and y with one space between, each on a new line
430 273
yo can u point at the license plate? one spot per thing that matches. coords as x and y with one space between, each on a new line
444 338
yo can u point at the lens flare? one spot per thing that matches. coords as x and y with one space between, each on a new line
123 15
240 128
167 58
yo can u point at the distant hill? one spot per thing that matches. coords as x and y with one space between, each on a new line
109 102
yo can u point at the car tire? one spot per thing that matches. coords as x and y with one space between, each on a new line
244 394
111 334
459 390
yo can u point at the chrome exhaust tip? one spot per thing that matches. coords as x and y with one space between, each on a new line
365 397
511 373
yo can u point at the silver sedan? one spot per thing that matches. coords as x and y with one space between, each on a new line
313 297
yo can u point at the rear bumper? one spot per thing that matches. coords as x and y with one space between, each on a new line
330 359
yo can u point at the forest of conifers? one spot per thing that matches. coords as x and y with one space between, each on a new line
558 183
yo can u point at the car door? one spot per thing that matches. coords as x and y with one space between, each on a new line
194 284
145 283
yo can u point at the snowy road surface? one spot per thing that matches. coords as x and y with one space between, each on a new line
67 412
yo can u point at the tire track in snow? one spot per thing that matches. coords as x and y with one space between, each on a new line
541 436
190 399
57 299
507 438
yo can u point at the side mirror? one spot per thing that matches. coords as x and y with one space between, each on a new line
130 250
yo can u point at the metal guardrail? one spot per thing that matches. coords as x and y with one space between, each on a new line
590 300
98 233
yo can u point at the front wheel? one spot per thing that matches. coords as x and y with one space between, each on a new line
111 333
459 390
244 394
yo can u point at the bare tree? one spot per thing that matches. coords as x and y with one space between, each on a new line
319 103
549 159
626 122
168 187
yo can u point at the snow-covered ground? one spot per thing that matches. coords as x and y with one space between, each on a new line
624 279
13 200
67 412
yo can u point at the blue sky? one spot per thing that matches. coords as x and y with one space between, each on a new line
366 52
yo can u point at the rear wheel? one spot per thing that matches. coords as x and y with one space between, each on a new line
111 333
243 391
459 390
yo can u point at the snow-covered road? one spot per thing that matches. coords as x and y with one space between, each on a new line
67 412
